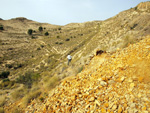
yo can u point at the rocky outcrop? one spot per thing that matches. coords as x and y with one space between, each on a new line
120 84
144 6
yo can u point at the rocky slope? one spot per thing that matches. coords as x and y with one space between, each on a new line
110 83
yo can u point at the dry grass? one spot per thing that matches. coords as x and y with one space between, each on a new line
29 97
1 110
2 100
51 83
19 93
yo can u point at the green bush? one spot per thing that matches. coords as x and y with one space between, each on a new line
28 78
67 39
4 74
59 28
40 28
1 27
58 37
33 37
46 34
30 31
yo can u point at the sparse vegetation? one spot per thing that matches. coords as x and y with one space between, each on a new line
133 26
59 28
67 39
30 31
33 37
2 100
4 74
46 34
32 95
40 28
1 27
28 79
1 110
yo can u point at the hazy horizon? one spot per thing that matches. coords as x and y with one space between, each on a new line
62 12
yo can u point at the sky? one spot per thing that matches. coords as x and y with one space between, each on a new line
62 12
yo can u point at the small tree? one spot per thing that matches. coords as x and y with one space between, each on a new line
30 31
46 34
1 27
40 28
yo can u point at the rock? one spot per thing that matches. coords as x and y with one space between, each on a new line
91 99
114 107
103 83
132 105
132 85
106 105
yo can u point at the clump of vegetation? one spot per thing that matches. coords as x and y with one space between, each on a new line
67 39
42 46
9 66
30 31
60 43
6 84
80 69
58 36
2 101
59 28
1 110
4 74
51 83
28 79
38 48
56 42
46 34
1 27
19 93
33 37
18 66
32 95
40 28
133 26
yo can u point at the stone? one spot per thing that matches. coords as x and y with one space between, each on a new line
91 99
132 85
106 105
103 110
103 83
114 107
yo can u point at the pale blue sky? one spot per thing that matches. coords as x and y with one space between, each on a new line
61 12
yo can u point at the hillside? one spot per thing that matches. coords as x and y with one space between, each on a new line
37 63
110 83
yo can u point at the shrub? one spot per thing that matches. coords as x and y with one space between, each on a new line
59 28
46 34
67 39
58 37
133 26
40 28
56 43
30 31
42 46
4 74
28 78
38 48
6 84
18 66
9 65
1 27
60 43
33 37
